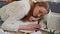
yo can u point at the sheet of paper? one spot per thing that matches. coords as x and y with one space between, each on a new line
1 31
38 32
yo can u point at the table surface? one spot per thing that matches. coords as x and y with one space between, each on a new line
43 32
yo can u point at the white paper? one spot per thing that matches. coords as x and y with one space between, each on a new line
38 32
1 31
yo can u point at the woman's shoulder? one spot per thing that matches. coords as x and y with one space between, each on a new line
16 3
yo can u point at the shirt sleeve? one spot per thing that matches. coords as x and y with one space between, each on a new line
13 21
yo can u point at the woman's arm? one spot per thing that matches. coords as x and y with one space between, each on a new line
12 23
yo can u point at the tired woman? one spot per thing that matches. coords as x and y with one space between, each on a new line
23 16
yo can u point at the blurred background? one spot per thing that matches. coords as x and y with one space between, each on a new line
36 0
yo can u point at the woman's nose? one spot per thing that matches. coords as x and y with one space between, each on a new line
39 15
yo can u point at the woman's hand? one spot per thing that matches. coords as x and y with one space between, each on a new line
29 27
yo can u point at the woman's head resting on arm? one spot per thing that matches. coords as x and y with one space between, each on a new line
37 11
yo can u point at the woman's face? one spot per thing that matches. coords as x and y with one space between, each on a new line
38 13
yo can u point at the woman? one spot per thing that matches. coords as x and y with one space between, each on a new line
19 18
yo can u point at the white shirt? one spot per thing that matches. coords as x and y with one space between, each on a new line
12 13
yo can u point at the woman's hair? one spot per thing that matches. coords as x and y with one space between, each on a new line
43 4
17 0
